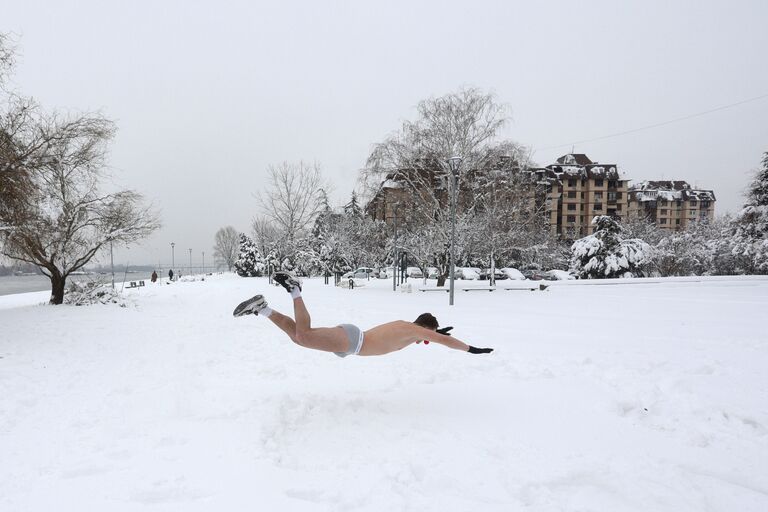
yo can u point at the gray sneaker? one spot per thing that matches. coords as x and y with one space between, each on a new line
251 306
286 280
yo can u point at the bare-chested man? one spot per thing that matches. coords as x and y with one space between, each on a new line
347 339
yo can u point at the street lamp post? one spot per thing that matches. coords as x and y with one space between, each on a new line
394 251
203 262
173 255
190 261
112 263
455 164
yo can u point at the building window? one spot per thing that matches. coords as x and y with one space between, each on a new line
598 196
705 204
693 213
703 213
598 183
571 218
693 202
571 183
598 207
611 196
664 211
677 222
571 194
611 184
618 207
662 221
678 203
572 207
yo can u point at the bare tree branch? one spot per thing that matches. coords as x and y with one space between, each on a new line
294 198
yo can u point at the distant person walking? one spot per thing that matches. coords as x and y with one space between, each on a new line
170 274
154 276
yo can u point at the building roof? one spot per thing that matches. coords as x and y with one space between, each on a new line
574 159
669 190
578 165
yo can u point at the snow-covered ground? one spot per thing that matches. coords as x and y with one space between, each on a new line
604 398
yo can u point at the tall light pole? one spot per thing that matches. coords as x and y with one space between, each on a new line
203 262
455 164
173 255
112 263
394 249
190 260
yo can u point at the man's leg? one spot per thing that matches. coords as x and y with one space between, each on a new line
332 339
285 323
303 320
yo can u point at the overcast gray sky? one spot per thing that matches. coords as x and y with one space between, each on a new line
207 94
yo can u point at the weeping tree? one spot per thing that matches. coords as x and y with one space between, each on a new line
416 159
64 219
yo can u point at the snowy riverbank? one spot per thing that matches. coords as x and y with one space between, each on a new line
598 398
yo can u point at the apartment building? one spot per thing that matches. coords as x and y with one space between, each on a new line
569 192
671 205
580 189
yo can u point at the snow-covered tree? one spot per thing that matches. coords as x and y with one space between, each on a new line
606 253
750 238
249 262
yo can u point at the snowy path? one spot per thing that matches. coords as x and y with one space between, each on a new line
598 398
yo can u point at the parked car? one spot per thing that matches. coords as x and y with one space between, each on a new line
513 273
534 275
559 275
470 273
361 273
414 272
485 274
432 273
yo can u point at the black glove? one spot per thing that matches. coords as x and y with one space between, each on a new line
444 330
475 350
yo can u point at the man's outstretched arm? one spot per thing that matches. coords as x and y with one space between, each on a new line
450 342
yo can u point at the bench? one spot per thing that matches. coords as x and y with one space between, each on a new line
134 284
529 288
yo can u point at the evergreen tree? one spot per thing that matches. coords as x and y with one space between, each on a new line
249 263
353 206
606 253
750 239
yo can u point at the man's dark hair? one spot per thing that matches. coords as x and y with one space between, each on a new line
427 320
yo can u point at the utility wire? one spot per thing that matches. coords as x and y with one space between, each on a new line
656 125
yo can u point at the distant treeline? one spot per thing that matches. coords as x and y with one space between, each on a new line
27 268
19 268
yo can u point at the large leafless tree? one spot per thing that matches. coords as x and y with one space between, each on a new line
53 213
227 246
293 198
465 124
64 219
